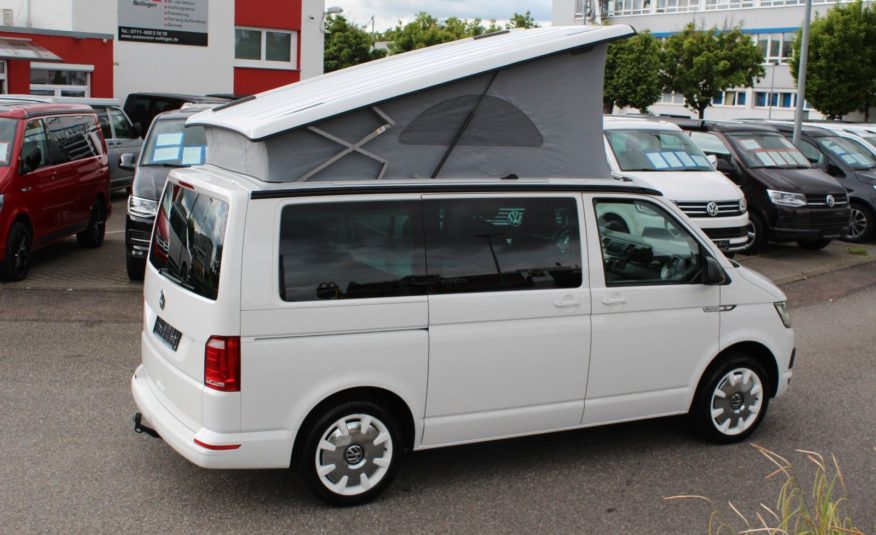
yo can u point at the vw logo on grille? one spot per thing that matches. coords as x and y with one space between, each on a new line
712 208
830 201
161 300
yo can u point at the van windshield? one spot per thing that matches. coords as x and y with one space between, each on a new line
187 239
849 151
768 149
7 140
171 144
655 150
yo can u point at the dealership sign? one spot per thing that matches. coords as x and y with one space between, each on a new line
174 22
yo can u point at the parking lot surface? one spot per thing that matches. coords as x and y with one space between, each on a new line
69 342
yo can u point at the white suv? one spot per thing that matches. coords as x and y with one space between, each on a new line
657 154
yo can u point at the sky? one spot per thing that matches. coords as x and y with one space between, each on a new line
387 13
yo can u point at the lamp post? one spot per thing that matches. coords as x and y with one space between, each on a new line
775 65
801 75
333 10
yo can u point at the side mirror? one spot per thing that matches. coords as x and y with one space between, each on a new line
834 171
725 166
713 160
138 130
713 273
32 160
128 161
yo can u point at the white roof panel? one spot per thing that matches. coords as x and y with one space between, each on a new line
324 96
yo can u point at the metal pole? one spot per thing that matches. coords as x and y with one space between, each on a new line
801 74
772 89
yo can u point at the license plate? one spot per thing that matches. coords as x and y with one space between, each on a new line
166 333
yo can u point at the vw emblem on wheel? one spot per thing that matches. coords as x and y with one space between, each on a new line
161 300
712 208
830 201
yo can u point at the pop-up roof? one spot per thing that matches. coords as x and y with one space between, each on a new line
524 102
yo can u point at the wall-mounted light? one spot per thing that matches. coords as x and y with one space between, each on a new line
333 10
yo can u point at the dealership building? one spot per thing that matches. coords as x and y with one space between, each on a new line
109 48
772 24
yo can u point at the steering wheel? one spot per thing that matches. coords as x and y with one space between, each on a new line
679 269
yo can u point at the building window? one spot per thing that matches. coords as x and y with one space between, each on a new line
630 7
776 47
3 87
60 80
731 98
713 5
580 9
783 99
672 98
677 6
265 49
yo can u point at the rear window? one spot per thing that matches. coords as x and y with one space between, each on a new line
171 144
187 239
7 139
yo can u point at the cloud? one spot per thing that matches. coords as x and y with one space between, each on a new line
387 13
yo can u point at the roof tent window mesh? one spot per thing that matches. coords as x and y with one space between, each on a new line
496 123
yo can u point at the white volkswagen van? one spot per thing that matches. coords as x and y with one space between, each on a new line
657 154
340 309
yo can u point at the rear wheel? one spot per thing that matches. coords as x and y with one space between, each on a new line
349 453
92 236
731 400
860 224
814 245
17 260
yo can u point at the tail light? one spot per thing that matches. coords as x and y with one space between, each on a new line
222 363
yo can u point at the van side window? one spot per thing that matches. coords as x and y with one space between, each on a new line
500 244
351 250
35 140
121 125
643 245
72 137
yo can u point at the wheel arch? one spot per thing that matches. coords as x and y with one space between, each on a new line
20 217
390 401
755 350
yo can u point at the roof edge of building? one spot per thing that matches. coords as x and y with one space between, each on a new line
59 33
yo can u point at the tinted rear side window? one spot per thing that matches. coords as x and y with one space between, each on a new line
351 251
72 137
488 245
188 238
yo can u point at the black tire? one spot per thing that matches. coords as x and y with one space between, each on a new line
136 268
92 236
757 234
860 223
355 458
16 262
814 245
747 398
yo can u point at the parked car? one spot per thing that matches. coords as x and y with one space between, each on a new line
54 180
788 200
326 292
143 107
169 144
851 163
120 133
658 155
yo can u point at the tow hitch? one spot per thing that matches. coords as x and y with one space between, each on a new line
140 428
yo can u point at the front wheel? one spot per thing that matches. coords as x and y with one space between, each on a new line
757 234
92 236
349 453
860 224
731 400
17 260
814 245
136 268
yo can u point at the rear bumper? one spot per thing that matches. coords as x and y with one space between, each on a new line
261 449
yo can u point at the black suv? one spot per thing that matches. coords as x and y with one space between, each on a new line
169 144
143 107
788 200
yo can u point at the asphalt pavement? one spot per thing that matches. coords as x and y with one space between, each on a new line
71 463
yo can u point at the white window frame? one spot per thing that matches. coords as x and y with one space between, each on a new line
291 65
57 89
4 67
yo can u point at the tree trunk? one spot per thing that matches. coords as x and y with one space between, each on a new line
607 107
702 110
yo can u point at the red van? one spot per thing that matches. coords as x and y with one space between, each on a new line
54 180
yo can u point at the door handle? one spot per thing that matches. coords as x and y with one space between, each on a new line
615 299
25 189
567 301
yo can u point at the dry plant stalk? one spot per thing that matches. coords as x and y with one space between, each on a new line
796 512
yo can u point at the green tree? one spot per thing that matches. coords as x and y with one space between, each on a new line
632 73
522 21
425 30
346 45
841 71
701 64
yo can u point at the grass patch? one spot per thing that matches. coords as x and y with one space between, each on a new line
819 511
860 251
